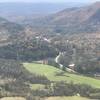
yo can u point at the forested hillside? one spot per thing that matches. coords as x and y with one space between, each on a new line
47 57
69 21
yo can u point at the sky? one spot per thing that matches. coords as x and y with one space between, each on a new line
51 1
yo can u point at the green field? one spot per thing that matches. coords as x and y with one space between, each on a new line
37 86
50 73
67 98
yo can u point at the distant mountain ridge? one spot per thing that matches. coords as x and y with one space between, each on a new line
68 21
19 11
73 20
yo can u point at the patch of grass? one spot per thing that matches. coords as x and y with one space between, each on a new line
37 86
51 73
67 98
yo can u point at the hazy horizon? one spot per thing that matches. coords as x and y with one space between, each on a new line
46 1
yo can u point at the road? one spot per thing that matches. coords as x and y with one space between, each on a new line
57 60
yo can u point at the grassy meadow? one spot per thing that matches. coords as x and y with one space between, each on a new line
55 74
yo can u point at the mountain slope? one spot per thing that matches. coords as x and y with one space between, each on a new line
72 20
9 30
17 12
77 15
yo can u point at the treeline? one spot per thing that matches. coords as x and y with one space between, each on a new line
88 67
16 82
81 50
28 50
13 69
15 79
67 89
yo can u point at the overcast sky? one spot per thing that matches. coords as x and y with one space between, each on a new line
52 1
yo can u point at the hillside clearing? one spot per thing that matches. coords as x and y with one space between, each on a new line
37 86
55 74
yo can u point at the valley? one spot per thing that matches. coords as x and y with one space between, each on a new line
50 54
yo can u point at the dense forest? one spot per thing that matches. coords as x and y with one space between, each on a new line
28 50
